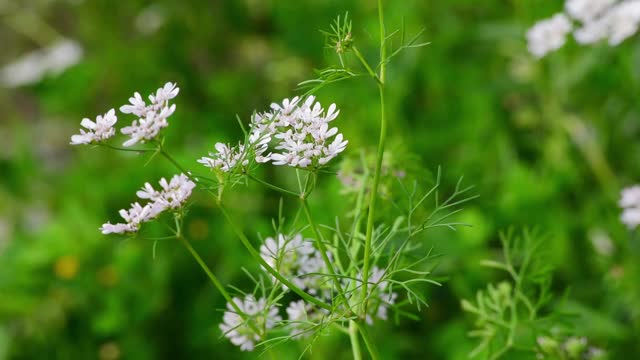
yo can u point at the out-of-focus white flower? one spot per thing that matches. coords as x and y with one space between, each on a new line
100 130
380 295
630 204
150 19
302 318
587 10
173 196
34 66
548 35
610 20
152 117
246 329
618 23
297 260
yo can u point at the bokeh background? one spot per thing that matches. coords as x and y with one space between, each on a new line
548 144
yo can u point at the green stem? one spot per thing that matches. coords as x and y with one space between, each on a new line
174 162
215 281
126 149
371 347
376 174
245 241
355 342
366 65
324 252
273 187
209 273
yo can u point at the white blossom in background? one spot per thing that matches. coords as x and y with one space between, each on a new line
302 318
596 20
630 204
299 133
617 24
172 195
587 10
152 117
380 295
245 330
100 130
548 35
34 66
297 260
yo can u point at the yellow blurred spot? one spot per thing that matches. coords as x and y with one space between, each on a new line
109 351
198 229
108 276
66 267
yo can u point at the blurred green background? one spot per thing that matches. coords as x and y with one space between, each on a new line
547 143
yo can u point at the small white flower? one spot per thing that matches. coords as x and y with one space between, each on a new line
174 193
135 216
172 196
151 118
548 35
100 130
246 329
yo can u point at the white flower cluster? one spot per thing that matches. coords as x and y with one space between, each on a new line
611 20
151 119
172 196
630 204
246 329
298 132
297 260
100 130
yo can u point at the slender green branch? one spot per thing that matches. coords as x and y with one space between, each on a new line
366 65
245 241
378 168
355 342
208 271
173 161
324 252
126 149
371 347
273 187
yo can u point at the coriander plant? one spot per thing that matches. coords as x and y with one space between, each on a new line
316 277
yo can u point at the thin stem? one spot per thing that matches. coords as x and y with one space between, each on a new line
376 174
273 187
371 347
209 273
355 342
173 161
366 65
324 252
126 149
245 241
214 279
